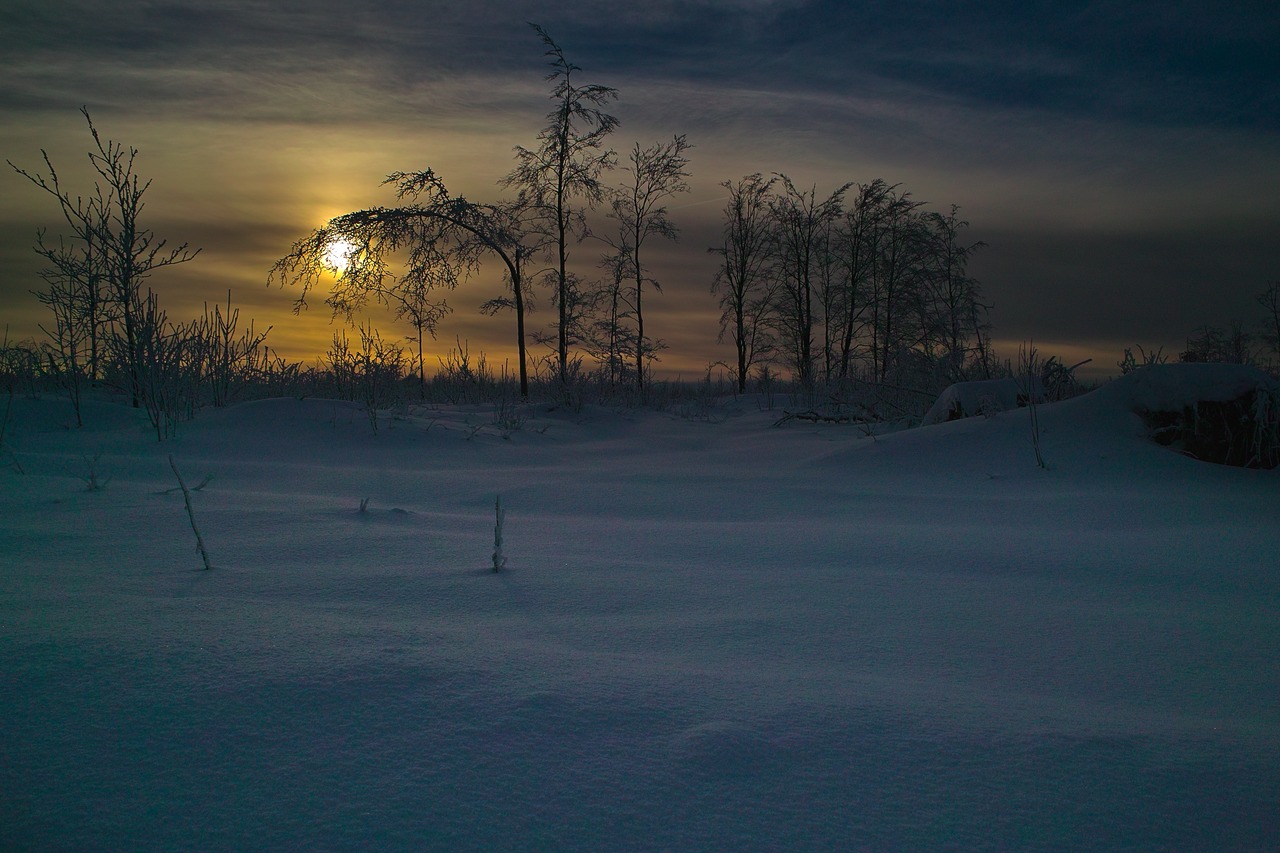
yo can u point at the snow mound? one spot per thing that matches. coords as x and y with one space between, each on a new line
1172 387
1223 413
966 399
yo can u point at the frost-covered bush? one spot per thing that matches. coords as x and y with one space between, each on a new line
967 399
370 373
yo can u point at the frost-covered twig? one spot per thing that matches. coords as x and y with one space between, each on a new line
186 497
207 479
815 417
91 480
499 560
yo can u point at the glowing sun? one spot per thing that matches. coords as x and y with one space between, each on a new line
338 255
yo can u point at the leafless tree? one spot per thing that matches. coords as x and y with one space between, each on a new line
444 237
69 347
109 249
745 280
609 338
857 246
564 171
897 272
639 210
959 316
802 223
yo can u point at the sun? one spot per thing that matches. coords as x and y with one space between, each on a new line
338 255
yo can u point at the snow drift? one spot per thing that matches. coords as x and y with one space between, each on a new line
707 636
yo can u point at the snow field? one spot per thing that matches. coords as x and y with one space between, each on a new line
709 635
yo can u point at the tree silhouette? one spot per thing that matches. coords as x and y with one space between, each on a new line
639 209
566 166
445 238
745 279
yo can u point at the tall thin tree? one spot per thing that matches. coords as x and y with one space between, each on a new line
563 170
639 208
801 221
858 242
745 278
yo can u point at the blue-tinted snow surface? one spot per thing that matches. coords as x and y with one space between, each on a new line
711 635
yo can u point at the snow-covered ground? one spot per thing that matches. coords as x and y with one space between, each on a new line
711 634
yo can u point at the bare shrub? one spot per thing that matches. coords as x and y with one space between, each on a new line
1030 370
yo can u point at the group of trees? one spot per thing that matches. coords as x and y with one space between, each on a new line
1236 344
107 326
557 183
862 284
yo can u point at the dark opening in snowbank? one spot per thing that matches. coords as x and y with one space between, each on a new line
1223 413
1236 432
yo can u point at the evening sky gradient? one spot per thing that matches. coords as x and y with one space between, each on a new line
1121 160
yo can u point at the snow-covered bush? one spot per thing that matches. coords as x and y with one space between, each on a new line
982 397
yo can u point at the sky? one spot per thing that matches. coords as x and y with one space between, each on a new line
1120 160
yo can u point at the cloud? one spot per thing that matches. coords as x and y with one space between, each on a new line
1108 155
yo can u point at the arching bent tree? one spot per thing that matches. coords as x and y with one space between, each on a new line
443 239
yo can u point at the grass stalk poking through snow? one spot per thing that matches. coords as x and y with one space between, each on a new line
1030 380
186 497
499 559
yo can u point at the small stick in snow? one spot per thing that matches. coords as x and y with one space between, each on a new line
186 497
207 479
499 560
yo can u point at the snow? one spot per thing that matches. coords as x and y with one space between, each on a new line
967 399
710 634
1170 387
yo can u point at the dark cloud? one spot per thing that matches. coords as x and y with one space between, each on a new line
1120 158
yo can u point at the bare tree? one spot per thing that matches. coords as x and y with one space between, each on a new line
115 250
76 273
609 340
639 209
69 347
960 315
444 237
745 279
801 222
897 272
857 246
565 167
